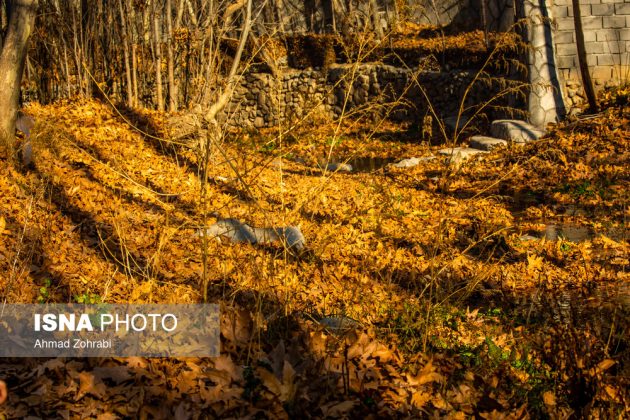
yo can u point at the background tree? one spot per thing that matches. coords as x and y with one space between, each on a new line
581 49
20 20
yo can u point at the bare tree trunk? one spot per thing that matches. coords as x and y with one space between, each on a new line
123 19
66 69
329 16
309 15
581 49
484 21
21 19
172 89
279 16
376 20
158 60
134 72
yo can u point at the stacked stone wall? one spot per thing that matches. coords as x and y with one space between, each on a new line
261 100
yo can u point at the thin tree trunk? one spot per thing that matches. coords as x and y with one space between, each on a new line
376 21
21 20
123 19
581 49
484 21
66 69
134 72
328 8
172 89
191 13
158 61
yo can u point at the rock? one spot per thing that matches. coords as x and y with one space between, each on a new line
259 122
459 154
338 167
411 162
486 143
339 323
516 131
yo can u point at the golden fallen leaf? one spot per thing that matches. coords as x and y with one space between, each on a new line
612 392
419 399
605 364
549 398
602 366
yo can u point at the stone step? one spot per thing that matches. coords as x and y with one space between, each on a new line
459 154
486 143
516 131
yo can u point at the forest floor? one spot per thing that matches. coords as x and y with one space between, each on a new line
498 288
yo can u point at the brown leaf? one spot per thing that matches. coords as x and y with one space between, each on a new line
135 362
225 364
117 374
269 380
90 384
336 410
277 358
426 375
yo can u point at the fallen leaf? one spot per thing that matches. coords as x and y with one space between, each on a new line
336 410
427 374
549 398
90 384
605 365
419 399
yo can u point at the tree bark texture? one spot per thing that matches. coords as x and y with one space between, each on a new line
21 19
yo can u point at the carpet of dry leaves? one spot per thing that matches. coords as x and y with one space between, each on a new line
455 312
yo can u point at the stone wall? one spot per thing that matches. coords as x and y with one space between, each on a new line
606 26
261 100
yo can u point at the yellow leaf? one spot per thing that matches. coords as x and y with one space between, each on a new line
534 262
605 365
419 399
609 243
612 392
549 398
